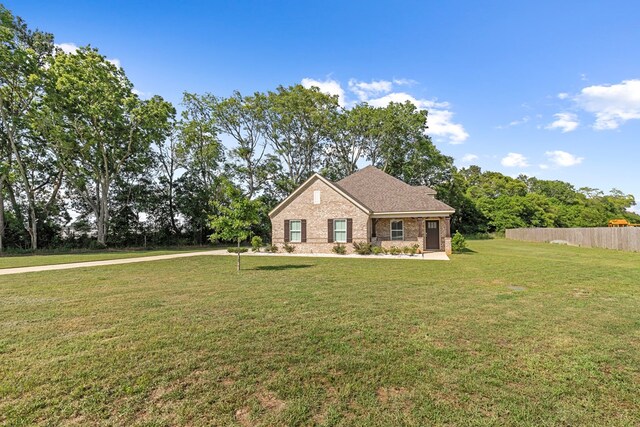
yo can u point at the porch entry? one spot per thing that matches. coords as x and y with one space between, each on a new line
432 236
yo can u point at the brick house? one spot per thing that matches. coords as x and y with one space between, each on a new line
367 206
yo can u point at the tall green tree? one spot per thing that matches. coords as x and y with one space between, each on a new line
351 132
168 164
398 127
295 126
242 118
98 125
202 156
28 170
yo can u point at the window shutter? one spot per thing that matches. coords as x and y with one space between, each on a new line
330 230
420 225
303 230
286 231
349 230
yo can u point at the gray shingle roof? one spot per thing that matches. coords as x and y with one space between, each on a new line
381 192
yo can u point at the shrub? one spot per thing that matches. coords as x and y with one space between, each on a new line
394 250
94 245
289 248
272 248
377 250
413 249
406 250
458 243
339 249
256 243
362 248
237 250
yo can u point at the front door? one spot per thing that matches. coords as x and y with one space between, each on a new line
432 236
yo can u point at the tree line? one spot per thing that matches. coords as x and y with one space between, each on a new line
85 162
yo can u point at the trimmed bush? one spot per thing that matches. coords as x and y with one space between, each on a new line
458 243
339 249
394 250
272 248
289 248
256 243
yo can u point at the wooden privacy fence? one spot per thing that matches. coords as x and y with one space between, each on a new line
620 238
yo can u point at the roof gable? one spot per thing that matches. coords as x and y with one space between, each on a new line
307 183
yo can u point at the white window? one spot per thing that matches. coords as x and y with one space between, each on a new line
295 231
397 230
340 230
316 197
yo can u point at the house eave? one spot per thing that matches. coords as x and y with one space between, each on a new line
411 214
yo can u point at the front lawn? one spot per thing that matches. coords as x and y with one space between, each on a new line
511 334
14 261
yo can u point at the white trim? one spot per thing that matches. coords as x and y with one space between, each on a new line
346 230
300 231
306 184
401 221
420 214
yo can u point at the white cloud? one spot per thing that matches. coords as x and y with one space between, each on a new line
441 125
379 93
563 95
512 123
329 86
543 166
140 93
402 97
611 104
67 47
514 160
522 121
404 82
364 90
563 159
566 122
440 120
468 158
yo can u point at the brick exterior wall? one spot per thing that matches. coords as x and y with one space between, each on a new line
413 232
332 206
414 229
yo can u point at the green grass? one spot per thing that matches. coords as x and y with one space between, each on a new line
511 334
14 261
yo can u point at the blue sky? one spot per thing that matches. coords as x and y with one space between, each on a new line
549 89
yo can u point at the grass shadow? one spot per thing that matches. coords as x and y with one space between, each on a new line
282 267
465 251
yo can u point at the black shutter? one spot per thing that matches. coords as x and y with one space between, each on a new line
286 231
330 231
420 225
349 230
303 232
